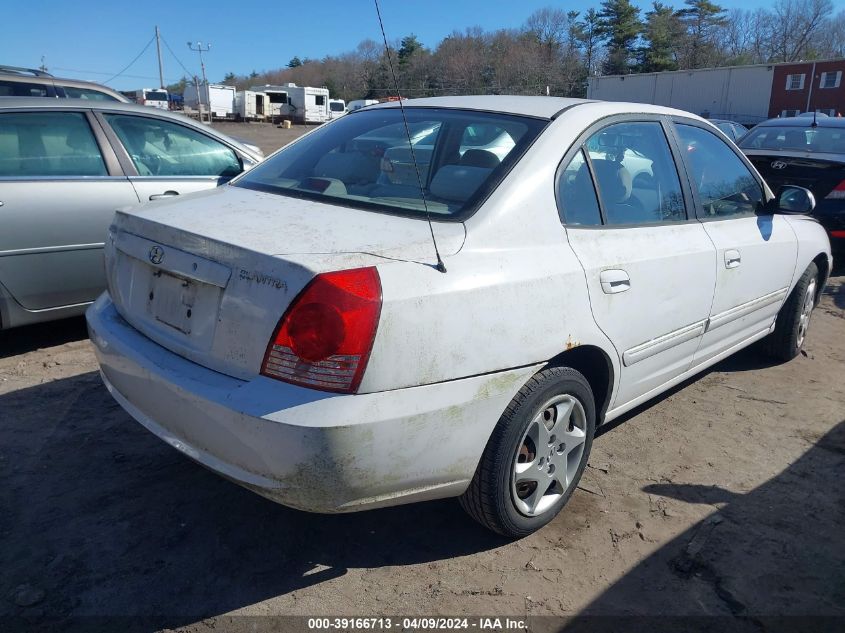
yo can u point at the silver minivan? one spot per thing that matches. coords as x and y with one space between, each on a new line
66 165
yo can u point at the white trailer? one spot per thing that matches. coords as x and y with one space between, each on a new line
360 103
250 105
307 104
337 108
277 100
219 99
739 93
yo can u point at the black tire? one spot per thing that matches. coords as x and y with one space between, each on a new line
490 496
786 341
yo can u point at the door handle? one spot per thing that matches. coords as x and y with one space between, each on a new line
166 194
732 258
614 280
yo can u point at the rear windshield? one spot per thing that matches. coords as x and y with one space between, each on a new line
364 160
334 106
156 96
819 139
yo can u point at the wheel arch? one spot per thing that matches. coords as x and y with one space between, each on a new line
822 262
595 364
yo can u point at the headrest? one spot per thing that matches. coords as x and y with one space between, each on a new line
613 179
480 158
458 182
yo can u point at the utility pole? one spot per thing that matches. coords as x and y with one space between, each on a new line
201 50
158 51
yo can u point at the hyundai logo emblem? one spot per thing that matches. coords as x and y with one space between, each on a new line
156 254
778 164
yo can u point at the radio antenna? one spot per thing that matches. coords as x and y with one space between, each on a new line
440 265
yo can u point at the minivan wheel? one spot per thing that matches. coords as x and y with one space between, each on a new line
536 454
793 320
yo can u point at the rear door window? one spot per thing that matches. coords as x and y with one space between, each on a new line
162 148
636 176
44 144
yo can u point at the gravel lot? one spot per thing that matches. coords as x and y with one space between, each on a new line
267 136
725 496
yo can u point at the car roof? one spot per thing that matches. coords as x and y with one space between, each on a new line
534 106
62 81
46 103
804 121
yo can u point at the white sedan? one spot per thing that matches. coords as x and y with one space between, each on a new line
294 331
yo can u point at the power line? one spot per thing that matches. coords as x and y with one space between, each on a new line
100 72
190 74
137 57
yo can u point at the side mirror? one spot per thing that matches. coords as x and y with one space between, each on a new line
793 200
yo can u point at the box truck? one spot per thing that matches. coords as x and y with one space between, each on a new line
153 97
250 105
219 99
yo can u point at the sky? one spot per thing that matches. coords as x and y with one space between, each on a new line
97 40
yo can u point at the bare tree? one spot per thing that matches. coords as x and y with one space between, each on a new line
794 25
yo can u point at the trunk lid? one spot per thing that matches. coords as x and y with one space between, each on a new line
820 174
208 277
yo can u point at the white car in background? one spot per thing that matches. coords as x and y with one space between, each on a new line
309 347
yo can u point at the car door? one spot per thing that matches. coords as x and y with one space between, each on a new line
649 267
165 158
60 184
755 250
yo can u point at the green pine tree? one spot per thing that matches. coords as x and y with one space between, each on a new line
663 29
620 27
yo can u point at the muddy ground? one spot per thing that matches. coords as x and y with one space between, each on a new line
725 496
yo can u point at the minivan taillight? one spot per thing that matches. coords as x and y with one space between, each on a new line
324 339
838 192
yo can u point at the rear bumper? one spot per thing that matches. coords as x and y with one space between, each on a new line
303 448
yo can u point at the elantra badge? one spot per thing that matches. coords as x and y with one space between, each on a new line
156 254
778 164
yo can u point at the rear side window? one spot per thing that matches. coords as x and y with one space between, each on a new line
635 173
725 185
22 89
72 92
162 148
44 144
577 201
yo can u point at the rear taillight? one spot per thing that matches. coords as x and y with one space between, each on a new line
838 192
324 339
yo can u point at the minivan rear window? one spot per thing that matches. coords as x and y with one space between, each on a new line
364 160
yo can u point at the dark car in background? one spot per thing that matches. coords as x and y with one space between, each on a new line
809 152
732 129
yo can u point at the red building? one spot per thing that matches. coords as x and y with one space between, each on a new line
808 86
